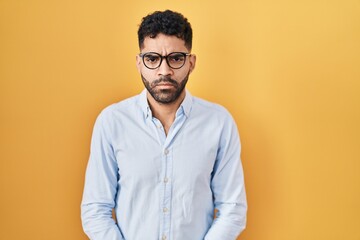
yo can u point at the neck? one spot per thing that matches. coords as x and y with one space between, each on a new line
165 113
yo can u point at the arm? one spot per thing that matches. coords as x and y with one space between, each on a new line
228 188
100 186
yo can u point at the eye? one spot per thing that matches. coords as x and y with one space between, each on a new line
176 58
151 58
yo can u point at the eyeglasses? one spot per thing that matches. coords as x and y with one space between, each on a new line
153 60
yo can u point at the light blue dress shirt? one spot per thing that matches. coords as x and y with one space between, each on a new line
164 187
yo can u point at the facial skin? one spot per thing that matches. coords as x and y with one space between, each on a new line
164 84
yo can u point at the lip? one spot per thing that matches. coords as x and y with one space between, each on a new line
166 85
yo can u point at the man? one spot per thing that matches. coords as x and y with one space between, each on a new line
164 160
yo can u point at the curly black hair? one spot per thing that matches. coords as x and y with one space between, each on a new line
168 23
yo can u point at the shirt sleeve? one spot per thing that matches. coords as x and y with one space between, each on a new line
101 185
228 187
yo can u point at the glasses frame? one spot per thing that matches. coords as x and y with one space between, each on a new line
142 55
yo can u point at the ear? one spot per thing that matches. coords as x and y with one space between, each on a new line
192 60
138 63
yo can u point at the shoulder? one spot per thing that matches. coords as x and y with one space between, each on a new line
213 116
116 111
121 106
204 107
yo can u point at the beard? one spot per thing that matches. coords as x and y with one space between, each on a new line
165 96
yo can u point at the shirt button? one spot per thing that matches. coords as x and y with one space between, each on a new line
166 151
165 210
166 180
163 237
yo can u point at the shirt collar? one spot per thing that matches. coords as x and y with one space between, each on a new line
144 104
185 106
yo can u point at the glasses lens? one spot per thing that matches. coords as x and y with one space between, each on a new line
176 60
152 60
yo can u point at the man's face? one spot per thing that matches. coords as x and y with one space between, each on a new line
164 83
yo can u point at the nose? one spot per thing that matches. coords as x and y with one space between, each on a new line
164 69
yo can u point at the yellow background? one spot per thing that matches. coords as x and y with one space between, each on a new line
288 71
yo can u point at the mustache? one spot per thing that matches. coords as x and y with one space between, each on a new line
165 79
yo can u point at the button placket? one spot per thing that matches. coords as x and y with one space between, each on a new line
166 180
166 203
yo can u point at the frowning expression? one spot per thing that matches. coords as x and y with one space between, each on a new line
164 83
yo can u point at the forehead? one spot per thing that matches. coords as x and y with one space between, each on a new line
164 44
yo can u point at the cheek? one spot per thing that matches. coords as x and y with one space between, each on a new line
181 74
147 73
177 75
